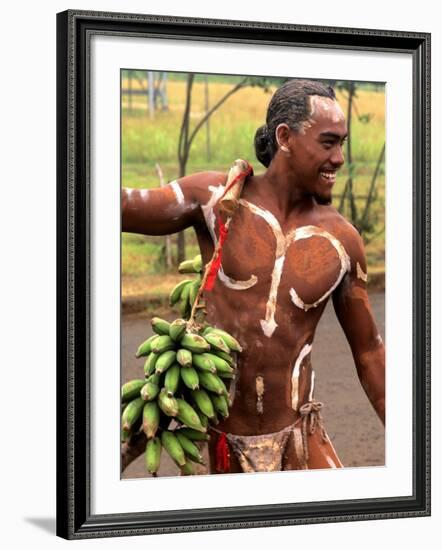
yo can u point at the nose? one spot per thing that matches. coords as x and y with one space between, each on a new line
337 157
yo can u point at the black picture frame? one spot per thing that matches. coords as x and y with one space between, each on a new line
74 518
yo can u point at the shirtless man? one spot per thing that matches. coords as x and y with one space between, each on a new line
287 252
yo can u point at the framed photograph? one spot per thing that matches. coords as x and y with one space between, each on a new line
228 192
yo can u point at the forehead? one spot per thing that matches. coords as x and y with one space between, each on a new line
326 114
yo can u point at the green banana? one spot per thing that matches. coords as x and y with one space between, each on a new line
165 360
151 419
149 391
175 294
221 404
227 375
203 402
184 357
205 421
226 356
184 301
132 413
152 456
187 469
231 342
173 447
167 404
220 364
189 448
131 389
177 329
146 347
125 435
154 378
162 343
190 377
195 343
186 267
193 291
194 435
160 326
172 379
188 416
203 363
149 364
216 342
197 263
212 382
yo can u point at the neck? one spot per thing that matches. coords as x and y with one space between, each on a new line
283 190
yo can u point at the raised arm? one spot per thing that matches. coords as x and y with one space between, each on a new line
353 310
167 209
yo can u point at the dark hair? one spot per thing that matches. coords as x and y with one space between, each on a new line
289 105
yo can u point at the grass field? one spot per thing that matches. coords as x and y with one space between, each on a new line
146 142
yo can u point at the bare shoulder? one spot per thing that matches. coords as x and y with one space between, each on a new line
200 184
341 228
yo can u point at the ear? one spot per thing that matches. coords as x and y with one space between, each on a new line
282 134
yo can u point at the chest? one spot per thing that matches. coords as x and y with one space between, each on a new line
305 262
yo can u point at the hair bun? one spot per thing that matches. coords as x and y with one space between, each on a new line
262 145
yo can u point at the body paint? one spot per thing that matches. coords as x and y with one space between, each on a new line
312 231
210 218
269 324
295 375
259 394
312 386
208 212
178 192
283 242
360 273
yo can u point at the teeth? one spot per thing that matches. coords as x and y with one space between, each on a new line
328 175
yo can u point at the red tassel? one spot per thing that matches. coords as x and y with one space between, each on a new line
222 454
216 264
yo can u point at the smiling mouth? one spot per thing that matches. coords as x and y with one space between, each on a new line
328 176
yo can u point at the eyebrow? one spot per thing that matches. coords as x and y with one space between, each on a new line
333 135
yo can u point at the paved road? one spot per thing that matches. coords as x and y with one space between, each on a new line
354 428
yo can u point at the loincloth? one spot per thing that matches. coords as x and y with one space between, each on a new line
264 453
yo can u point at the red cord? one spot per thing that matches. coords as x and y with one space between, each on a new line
222 454
223 230
216 264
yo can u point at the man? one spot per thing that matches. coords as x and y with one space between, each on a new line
287 251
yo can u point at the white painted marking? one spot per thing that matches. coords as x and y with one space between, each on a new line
295 375
312 386
282 244
208 212
306 232
236 285
272 221
360 274
178 192
269 324
210 218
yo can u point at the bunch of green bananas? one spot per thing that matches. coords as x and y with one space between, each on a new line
186 291
185 374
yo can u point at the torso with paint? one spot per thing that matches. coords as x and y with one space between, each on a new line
270 293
